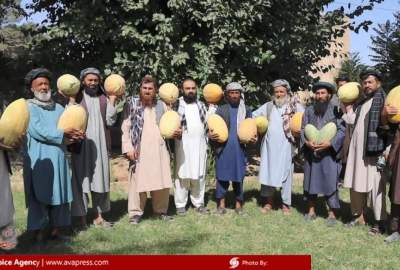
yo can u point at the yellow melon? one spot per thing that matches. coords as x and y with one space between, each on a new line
295 123
217 125
349 92
168 92
115 85
262 124
68 85
212 93
14 122
247 130
74 116
169 123
393 99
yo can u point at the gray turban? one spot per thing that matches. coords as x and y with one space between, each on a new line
36 73
281 82
234 86
90 70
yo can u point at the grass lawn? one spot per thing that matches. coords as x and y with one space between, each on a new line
331 247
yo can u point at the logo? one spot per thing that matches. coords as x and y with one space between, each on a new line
234 263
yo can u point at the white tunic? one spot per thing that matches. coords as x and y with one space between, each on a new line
361 172
191 150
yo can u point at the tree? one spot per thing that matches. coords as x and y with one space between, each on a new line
352 67
14 50
386 48
251 41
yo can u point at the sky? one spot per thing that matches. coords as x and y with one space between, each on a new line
360 42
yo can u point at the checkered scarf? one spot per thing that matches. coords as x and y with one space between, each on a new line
136 111
181 111
289 111
374 143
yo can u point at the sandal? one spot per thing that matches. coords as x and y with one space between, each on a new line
266 209
285 210
8 238
103 224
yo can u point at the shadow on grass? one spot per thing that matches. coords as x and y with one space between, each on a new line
161 246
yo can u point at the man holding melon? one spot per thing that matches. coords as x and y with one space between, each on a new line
278 145
146 149
321 141
367 143
47 178
90 158
8 235
191 150
391 116
230 153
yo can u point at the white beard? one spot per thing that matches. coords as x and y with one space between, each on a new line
44 97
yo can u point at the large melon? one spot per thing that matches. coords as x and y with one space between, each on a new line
325 134
68 85
311 133
247 130
14 122
217 125
115 85
262 124
168 92
212 93
74 116
349 92
393 99
169 123
295 123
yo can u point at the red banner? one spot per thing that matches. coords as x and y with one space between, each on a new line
176 262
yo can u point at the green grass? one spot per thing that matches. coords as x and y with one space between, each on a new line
331 248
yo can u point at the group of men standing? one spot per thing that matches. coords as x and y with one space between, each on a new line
54 195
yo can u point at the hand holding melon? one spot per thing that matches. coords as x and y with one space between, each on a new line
218 130
68 85
115 85
73 121
349 92
169 124
325 134
247 132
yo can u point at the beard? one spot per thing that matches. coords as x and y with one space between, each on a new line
280 101
147 100
92 91
44 97
190 97
320 107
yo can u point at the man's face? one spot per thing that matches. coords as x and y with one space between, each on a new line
41 89
233 97
340 83
322 95
40 85
370 84
189 88
91 81
280 91
147 91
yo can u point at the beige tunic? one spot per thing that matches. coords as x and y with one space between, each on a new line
361 172
153 170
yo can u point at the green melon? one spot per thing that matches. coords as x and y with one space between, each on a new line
325 134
